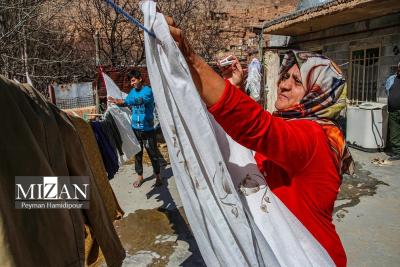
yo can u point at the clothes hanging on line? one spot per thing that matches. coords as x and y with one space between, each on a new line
112 88
253 82
74 95
111 130
93 154
235 218
122 119
114 133
93 253
40 140
6 258
108 152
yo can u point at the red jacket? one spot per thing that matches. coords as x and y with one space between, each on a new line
296 159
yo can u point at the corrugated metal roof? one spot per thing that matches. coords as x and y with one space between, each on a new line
306 4
330 14
305 7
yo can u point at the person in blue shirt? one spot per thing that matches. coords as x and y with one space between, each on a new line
392 86
141 100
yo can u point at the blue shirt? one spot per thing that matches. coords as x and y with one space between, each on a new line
389 82
142 103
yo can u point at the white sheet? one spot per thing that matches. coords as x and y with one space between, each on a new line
236 221
122 118
112 89
130 144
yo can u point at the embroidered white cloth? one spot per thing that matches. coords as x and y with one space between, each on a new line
234 217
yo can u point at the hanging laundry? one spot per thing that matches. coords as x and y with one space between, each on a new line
74 95
38 139
235 218
108 153
110 129
122 118
253 82
93 155
93 254
112 88
6 258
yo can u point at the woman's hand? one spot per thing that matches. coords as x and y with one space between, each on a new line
233 73
180 39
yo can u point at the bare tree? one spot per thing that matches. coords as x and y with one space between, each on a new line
121 43
119 40
53 40
196 18
33 40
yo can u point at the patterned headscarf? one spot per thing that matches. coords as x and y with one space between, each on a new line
324 99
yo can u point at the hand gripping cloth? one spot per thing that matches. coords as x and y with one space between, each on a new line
235 218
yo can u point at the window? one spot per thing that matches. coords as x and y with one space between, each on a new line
364 70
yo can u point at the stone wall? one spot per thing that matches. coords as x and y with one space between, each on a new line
240 18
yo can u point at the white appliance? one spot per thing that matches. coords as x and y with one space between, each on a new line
366 126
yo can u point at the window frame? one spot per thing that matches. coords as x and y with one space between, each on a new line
355 100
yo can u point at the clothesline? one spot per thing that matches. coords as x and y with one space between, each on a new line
129 17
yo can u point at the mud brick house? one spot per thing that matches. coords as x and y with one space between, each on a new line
361 36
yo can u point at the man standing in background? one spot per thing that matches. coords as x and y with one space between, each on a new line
392 86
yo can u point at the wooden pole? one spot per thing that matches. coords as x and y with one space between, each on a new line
271 60
52 95
97 47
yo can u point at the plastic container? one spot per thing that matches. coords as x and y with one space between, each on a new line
366 126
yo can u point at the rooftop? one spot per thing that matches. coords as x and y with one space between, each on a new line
323 15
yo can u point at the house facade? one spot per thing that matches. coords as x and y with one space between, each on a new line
361 36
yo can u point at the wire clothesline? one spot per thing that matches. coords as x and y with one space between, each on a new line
129 17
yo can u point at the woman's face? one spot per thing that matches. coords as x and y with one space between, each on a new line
290 89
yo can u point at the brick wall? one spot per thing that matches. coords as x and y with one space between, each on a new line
241 16
120 76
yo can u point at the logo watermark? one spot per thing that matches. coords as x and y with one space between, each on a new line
52 192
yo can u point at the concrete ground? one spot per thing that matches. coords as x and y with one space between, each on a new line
155 232
367 214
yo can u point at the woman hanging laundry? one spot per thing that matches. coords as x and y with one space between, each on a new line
299 148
